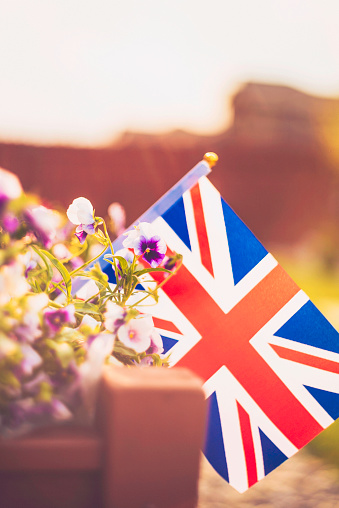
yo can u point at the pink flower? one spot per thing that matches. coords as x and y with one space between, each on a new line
54 319
10 222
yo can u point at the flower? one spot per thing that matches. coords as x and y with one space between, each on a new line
114 317
12 282
136 334
52 351
126 254
146 243
81 213
100 348
60 251
43 222
88 290
117 216
10 222
31 360
54 319
10 186
156 346
90 322
83 230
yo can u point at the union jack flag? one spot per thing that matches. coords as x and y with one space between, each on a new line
269 358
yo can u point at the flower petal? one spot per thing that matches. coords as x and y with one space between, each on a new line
81 211
136 334
80 234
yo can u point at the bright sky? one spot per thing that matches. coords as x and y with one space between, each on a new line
80 71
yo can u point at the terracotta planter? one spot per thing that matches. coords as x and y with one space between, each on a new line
143 452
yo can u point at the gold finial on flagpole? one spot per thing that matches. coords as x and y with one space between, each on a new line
211 158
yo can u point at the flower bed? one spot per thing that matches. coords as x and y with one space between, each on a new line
57 332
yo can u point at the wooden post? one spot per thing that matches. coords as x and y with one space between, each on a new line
143 452
153 422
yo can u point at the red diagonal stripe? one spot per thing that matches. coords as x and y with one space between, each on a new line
247 440
165 325
306 359
225 341
201 228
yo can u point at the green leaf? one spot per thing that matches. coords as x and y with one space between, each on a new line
97 275
121 349
122 261
47 265
86 308
63 351
63 271
149 270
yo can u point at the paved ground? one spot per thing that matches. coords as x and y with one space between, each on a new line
301 482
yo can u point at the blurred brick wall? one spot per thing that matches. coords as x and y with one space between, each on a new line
280 179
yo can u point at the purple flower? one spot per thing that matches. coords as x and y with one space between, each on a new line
83 230
151 249
54 319
10 222
146 243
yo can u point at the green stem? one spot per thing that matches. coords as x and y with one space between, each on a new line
87 263
55 286
160 285
91 297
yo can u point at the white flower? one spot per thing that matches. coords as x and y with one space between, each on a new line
136 334
88 290
114 316
36 302
12 282
10 186
60 251
81 212
31 360
156 343
91 369
89 321
126 254
133 235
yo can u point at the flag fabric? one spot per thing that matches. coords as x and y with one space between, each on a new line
268 357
